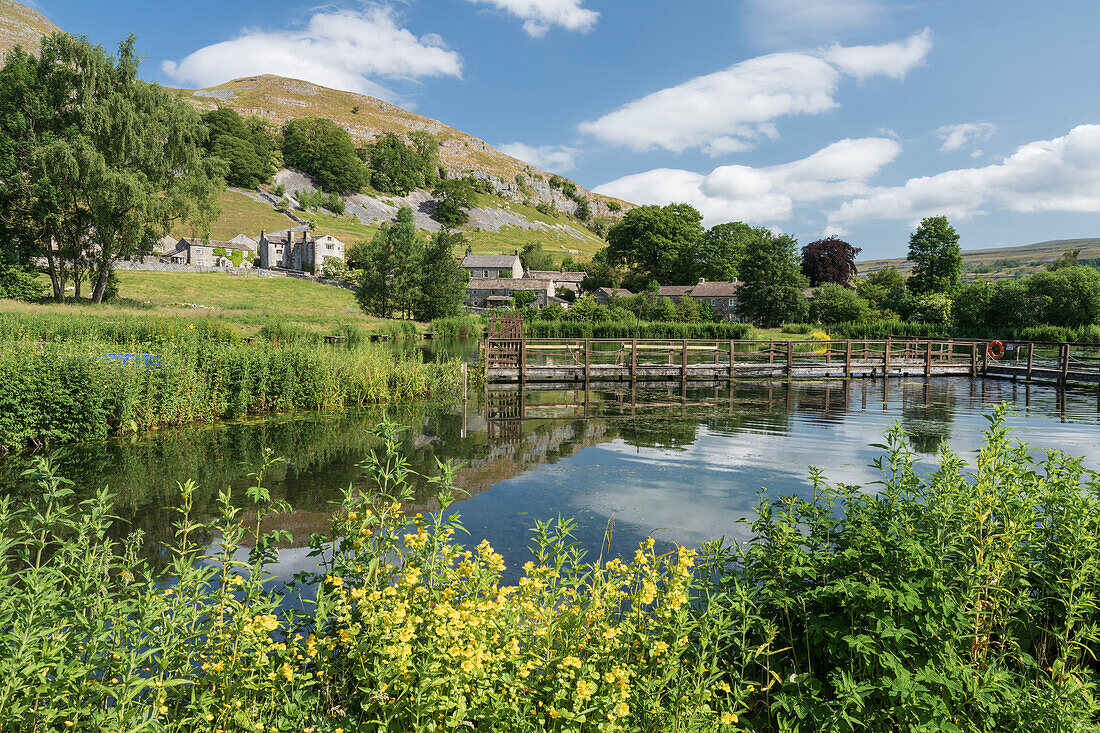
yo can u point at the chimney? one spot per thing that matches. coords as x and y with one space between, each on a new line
517 251
701 281
261 234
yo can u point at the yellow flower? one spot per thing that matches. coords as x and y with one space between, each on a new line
728 718
585 689
163 709
554 713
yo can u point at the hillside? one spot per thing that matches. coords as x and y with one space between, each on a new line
1001 262
22 26
279 100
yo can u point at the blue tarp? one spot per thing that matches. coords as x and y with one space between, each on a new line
152 361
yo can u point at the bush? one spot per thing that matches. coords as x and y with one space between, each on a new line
18 283
834 303
614 206
325 151
459 326
798 328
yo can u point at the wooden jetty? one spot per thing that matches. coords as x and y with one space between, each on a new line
510 357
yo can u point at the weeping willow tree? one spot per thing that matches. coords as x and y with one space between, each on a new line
95 164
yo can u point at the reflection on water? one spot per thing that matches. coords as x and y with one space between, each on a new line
682 466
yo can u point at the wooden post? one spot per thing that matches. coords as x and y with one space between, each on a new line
985 358
586 363
1065 362
771 352
886 359
847 361
928 358
1030 359
522 359
731 366
684 359
973 359
790 357
633 359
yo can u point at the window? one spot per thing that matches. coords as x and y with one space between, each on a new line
485 273
731 303
712 301
198 250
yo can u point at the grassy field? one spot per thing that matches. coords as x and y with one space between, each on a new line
1000 262
241 214
246 303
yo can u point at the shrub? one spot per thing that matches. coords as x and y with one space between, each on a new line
18 283
635 329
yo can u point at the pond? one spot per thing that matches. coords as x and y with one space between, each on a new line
680 466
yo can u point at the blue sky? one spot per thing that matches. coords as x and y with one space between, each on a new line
855 117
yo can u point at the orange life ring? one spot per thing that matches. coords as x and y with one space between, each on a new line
996 349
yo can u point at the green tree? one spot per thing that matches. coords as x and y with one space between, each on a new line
656 243
391 268
772 282
721 249
534 257
442 287
521 298
325 151
662 309
833 303
454 198
398 168
1068 259
246 148
119 162
687 310
1069 296
971 305
934 252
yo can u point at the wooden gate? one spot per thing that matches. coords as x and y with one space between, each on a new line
504 341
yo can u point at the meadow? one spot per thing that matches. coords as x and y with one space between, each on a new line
964 600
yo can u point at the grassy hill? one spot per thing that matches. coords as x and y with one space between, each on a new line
22 26
1001 262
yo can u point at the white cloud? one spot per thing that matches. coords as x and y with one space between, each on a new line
729 110
1062 174
786 22
553 158
890 59
343 49
957 137
738 192
540 15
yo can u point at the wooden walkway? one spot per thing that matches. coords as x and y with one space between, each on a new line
508 358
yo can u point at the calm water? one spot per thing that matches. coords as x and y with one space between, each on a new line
680 467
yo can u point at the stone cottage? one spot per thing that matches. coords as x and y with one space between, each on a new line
496 292
297 249
482 266
237 252
720 295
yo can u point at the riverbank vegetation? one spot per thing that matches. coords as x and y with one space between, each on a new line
66 379
959 601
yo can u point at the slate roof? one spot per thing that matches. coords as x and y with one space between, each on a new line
555 275
476 261
701 289
507 283
615 292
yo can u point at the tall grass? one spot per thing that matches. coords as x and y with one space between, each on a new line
69 391
459 326
119 328
635 329
961 601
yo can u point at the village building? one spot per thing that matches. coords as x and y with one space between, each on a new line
603 296
297 249
483 266
237 252
562 280
497 292
720 295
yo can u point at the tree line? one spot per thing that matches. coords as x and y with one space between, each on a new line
819 282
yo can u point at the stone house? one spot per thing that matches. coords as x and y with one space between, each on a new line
297 249
483 266
562 280
603 296
720 295
496 292
237 252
